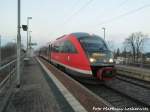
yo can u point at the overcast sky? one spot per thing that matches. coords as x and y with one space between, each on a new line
53 18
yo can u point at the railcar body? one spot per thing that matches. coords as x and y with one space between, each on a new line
83 55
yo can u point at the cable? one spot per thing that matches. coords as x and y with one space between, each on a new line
83 7
118 6
74 5
125 14
122 3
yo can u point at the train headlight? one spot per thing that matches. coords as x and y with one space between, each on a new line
111 60
92 60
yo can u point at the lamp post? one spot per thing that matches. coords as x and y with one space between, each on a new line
30 39
104 31
18 46
28 18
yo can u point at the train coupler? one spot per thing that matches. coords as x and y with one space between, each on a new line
105 73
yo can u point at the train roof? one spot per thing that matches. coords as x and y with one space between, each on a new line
83 34
80 34
76 34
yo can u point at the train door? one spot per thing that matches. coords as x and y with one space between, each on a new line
65 53
70 56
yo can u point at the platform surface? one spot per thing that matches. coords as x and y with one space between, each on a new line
35 94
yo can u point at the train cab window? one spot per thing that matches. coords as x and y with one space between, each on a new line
68 47
93 44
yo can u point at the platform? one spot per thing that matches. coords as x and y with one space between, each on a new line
35 94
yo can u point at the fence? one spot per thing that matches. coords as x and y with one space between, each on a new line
7 71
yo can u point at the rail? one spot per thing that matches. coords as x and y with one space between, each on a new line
7 71
135 72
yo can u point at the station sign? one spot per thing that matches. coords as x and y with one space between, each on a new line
24 27
33 44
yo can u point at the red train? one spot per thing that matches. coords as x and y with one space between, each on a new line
82 55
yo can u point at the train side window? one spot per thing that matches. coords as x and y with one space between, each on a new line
68 47
55 48
61 47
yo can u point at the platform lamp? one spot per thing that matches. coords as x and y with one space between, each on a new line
28 18
104 31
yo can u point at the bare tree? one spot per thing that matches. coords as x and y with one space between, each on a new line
134 43
110 44
118 52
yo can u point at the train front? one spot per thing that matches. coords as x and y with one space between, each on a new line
100 57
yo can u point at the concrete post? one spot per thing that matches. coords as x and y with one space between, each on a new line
18 47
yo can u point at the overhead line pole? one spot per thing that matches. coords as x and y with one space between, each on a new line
18 47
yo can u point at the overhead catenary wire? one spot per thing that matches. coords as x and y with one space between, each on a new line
122 3
117 6
84 6
125 14
78 11
74 5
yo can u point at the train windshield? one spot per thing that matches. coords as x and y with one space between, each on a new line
93 44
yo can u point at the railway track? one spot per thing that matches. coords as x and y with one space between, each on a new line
121 98
122 93
115 98
134 81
